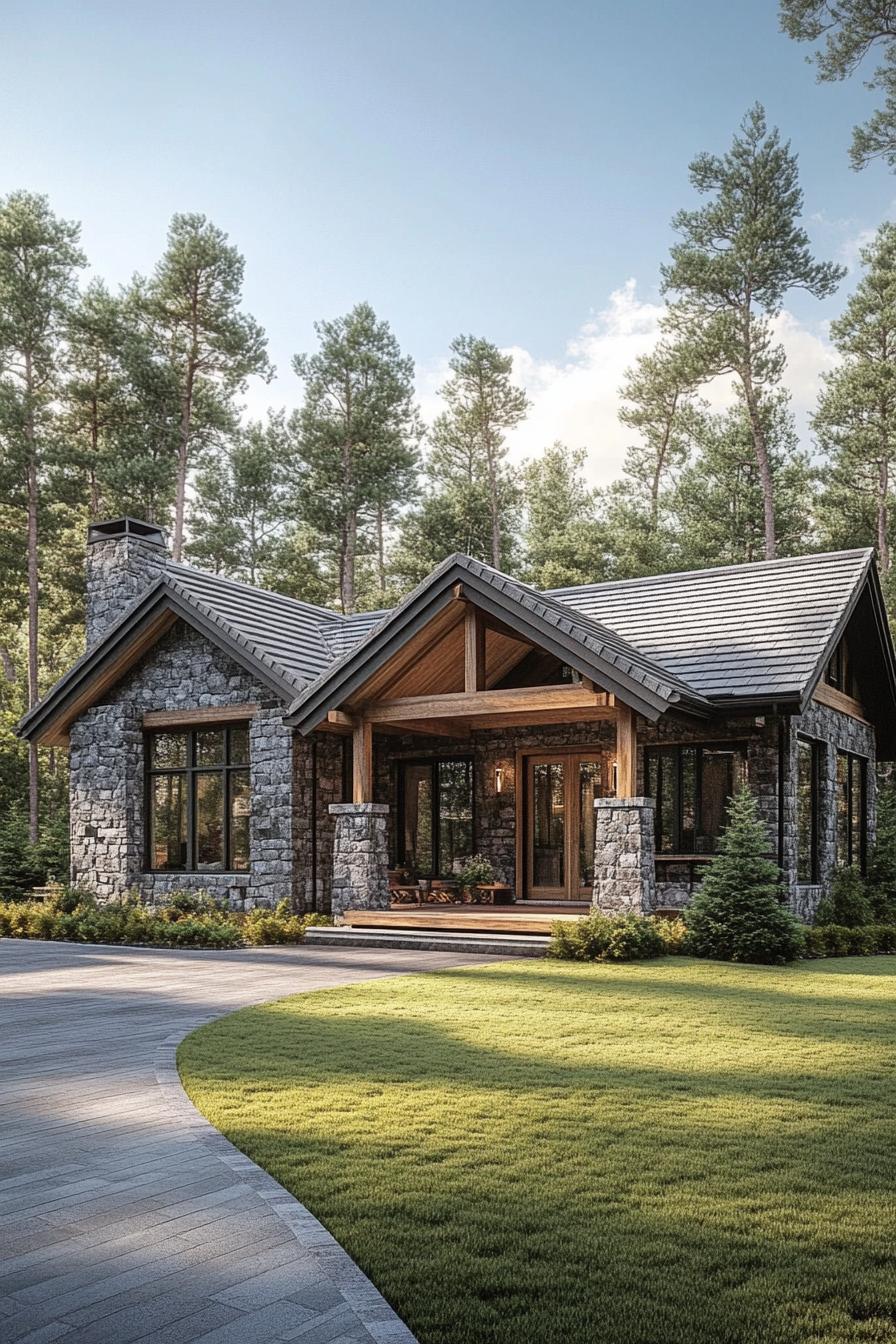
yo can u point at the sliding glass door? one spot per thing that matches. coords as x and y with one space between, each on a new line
435 815
559 822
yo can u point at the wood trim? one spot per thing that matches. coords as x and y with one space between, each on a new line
362 763
463 704
626 754
189 718
834 699
474 650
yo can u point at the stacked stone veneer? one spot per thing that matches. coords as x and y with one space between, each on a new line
834 732
360 857
119 570
184 671
624 869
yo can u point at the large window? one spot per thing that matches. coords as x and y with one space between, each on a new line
435 815
807 767
692 786
838 672
198 800
852 774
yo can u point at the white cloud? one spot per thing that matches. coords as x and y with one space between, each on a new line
576 398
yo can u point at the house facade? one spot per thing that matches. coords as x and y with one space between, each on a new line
585 741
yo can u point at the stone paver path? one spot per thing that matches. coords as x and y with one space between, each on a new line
123 1214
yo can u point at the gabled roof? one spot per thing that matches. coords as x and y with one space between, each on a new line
276 639
757 634
577 639
762 631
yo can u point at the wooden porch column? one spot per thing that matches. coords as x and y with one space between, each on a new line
362 762
626 753
474 649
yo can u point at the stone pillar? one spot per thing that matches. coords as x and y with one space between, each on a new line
624 871
360 857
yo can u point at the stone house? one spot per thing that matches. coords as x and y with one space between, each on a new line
586 741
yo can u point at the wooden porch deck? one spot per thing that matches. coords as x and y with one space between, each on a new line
524 917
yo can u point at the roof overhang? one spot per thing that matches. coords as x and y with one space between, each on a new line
121 647
347 677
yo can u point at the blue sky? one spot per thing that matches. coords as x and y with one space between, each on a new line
502 168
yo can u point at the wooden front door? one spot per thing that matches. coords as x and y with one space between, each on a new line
558 817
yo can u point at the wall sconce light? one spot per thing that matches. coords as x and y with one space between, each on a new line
499 779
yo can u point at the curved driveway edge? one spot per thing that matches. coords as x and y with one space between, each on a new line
124 1215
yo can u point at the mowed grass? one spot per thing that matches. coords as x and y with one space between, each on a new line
667 1152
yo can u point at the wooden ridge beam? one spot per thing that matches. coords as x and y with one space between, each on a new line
469 704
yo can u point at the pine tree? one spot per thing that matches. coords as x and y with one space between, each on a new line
737 913
39 258
717 503
851 30
468 439
658 404
241 503
356 439
207 346
739 255
563 541
856 418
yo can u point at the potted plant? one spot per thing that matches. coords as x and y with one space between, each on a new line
476 870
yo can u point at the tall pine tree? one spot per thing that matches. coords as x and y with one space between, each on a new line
856 418
739 255
39 259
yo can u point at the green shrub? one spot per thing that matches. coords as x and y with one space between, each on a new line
674 933
847 902
477 869
737 912
600 937
20 866
279 926
839 940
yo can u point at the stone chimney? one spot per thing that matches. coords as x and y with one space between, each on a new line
125 557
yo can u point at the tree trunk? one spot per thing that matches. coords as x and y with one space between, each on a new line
180 498
883 490
493 502
347 575
33 595
760 448
381 550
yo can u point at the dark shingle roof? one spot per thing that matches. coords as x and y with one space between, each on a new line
755 630
291 635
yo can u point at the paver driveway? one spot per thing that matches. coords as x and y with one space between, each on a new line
123 1215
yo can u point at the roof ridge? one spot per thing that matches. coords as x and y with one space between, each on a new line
751 565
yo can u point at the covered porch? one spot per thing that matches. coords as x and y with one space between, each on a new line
482 722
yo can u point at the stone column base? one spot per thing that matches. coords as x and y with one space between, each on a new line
360 857
624 856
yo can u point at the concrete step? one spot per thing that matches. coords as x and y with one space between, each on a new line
501 944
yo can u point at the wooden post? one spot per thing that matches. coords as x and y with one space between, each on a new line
474 649
626 753
362 762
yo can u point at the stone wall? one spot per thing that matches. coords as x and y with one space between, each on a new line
118 570
184 671
834 732
318 782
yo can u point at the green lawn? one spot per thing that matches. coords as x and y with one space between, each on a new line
662 1152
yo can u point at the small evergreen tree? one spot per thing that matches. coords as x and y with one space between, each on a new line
737 913
20 868
847 903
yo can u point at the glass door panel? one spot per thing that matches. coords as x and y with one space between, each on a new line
455 815
548 825
418 817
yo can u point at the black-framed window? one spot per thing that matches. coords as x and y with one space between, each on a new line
852 809
808 757
198 800
692 786
838 672
435 815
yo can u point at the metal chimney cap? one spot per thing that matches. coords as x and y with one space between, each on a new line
126 527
